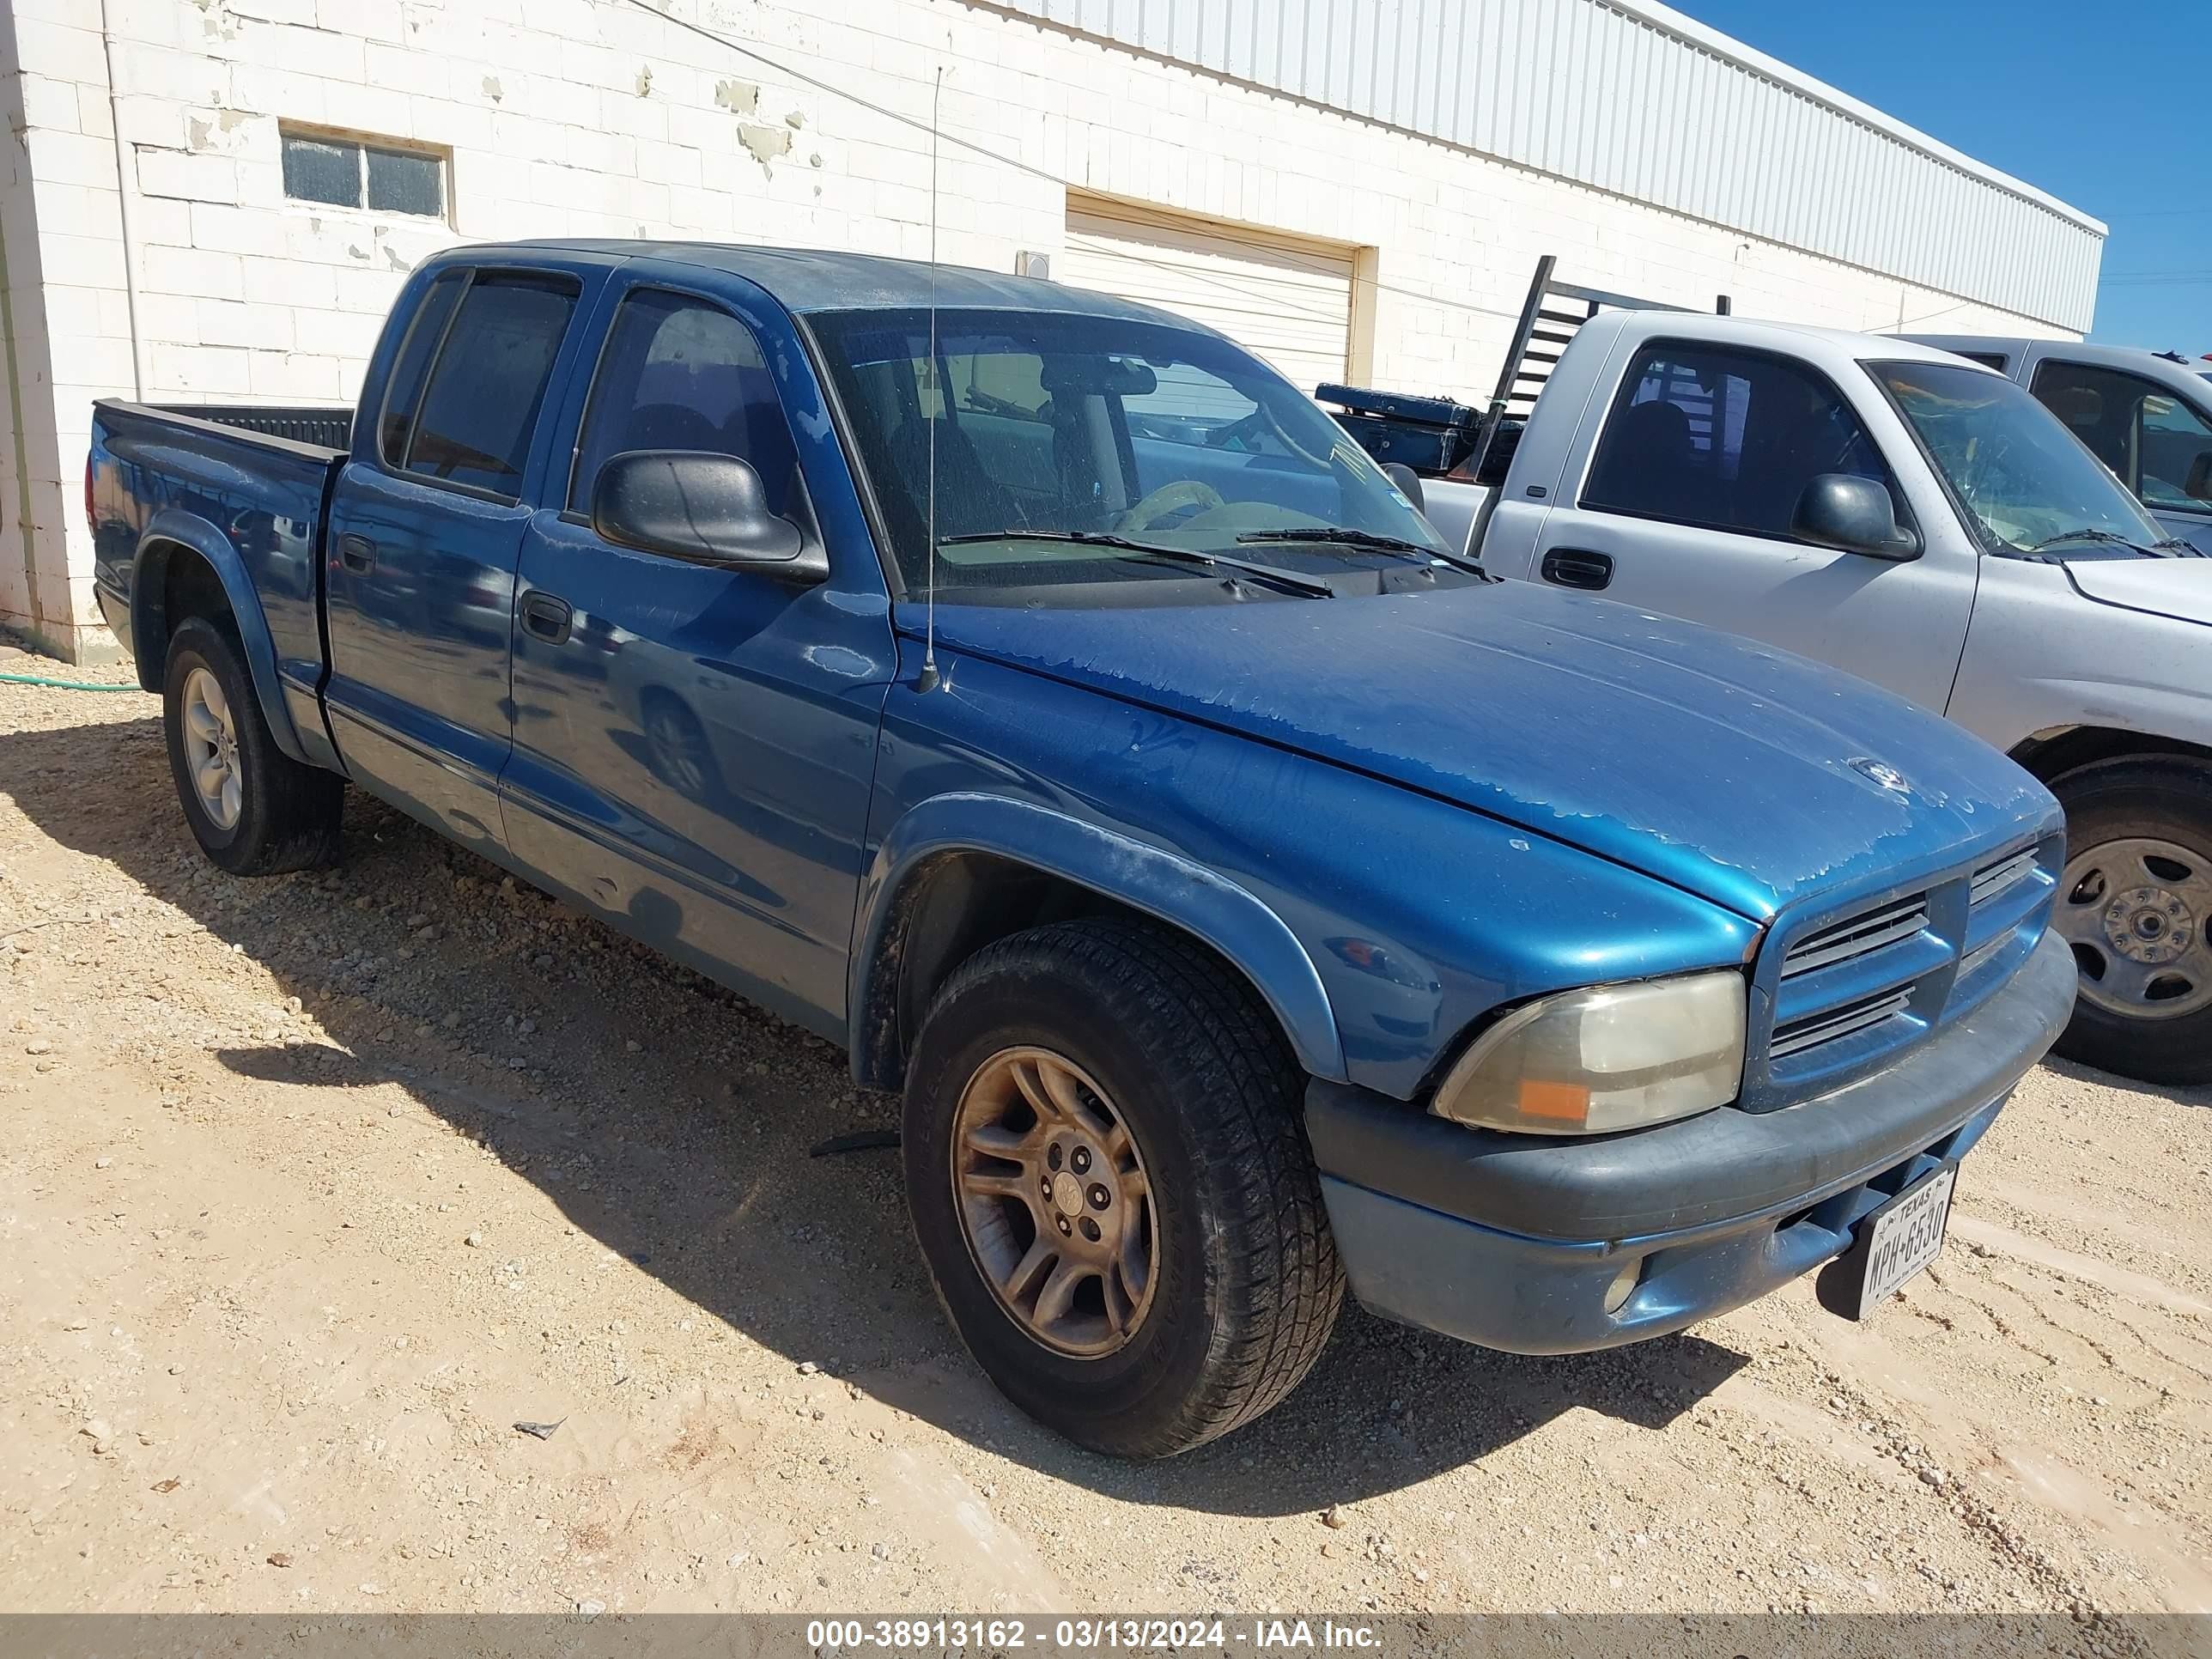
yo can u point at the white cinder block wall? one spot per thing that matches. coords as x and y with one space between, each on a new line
604 118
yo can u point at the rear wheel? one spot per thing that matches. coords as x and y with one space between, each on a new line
1107 1165
2135 905
254 810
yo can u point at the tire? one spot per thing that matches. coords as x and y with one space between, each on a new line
1243 1284
286 813
2135 905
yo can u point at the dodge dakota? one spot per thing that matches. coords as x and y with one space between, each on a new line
1039 696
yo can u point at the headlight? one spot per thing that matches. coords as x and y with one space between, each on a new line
1610 1057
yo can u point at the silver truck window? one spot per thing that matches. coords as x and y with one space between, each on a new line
678 372
2155 444
480 408
1724 439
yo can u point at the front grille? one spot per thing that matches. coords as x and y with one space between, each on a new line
1857 936
1843 993
1815 1030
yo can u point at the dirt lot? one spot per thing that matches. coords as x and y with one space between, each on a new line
311 1190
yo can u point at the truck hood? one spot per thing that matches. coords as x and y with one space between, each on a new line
1742 774
2180 588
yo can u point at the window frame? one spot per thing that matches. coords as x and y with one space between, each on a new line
547 405
361 144
1626 390
568 515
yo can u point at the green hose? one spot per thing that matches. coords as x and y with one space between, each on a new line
66 685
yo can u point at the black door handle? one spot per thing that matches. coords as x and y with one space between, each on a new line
1574 567
546 615
358 553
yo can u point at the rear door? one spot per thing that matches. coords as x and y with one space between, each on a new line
426 525
1679 494
693 744
2155 437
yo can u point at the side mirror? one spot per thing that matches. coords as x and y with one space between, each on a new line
1853 515
1408 482
703 507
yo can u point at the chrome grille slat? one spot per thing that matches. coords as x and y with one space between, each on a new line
1994 878
1827 1026
1857 936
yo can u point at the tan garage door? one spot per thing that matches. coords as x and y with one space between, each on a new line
1288 300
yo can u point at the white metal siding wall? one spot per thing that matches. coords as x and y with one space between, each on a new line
1645 103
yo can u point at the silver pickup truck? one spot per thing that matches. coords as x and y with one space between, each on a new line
1924 522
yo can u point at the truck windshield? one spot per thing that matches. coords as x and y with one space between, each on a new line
1062 439
2027 484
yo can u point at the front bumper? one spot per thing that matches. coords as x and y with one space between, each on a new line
1511 1240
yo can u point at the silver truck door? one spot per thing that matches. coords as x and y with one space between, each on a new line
1679 496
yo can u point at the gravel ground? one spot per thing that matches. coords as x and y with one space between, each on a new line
312 1189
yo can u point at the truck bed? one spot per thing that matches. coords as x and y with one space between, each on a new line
245 486
320 426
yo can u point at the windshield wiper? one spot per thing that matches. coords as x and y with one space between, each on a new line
1282 581
2086 535
1339 536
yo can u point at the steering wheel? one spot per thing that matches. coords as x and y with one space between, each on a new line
1169 498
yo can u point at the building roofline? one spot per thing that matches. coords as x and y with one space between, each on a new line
1708 39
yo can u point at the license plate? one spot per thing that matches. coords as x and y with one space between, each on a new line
1894 1243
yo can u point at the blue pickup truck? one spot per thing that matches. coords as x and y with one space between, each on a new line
1041 697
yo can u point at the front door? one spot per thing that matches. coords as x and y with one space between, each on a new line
694 745
426 526
1687 504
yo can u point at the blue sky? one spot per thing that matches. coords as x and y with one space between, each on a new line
2104 106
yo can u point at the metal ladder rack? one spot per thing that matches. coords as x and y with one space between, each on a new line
1548 323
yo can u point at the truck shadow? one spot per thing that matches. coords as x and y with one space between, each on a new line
675 1124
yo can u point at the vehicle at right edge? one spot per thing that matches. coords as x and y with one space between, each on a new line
1925 523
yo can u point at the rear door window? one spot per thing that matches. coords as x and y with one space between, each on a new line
480 406
403 388
1725 439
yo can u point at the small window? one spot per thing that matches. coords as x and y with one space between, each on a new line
352 173
403 388
1995 359
680 373
480 406
1725 441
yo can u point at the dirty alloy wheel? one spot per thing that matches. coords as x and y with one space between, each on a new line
1055 1202
1107 1166
2135 903
254 810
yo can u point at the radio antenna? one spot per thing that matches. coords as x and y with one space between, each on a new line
928 679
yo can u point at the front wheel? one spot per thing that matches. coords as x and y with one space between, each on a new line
1109 1174
2135 902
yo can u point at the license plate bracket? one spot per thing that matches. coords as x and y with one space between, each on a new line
1890 1246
